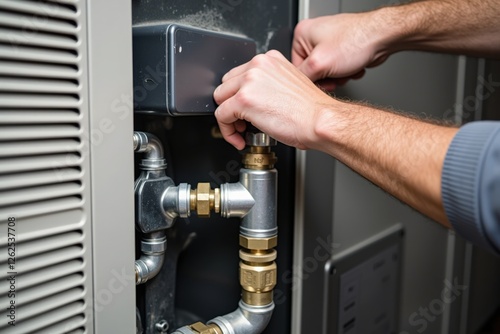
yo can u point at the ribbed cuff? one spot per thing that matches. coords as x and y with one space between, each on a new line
461 177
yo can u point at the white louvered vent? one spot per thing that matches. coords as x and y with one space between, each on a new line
44 167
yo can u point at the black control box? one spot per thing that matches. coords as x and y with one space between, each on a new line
177 68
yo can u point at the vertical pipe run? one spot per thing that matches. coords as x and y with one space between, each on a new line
260 222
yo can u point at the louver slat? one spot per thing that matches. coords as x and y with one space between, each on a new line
26 53
38 86
40 9
39 178
69 326
38 100
46 259
44 290
43 245
36 194
38 116
57 315
46 274
16 37
57 163
44 166
41 208
9 133
39 147
38 70
39 24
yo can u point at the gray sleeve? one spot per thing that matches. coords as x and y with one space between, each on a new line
470 184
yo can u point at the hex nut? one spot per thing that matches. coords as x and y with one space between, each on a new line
258 278
203 199
258 243
201 328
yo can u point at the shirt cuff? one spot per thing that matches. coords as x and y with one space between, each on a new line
461 183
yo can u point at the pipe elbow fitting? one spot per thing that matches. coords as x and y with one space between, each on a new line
247 319
236 200
148 143
147 267
151 260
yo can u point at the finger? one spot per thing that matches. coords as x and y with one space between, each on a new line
327 84
297 57
240 126
312 67
227 89
276 54
235 72
228 127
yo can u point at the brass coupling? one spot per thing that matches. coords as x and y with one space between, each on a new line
205 329
258 271
260 158
203 199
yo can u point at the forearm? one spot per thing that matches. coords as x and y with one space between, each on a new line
401 155
461 26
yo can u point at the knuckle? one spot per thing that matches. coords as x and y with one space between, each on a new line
243 98
259 60
316 62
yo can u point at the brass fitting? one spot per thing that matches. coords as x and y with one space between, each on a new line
204 199
259 157
205 329
258 275
258 243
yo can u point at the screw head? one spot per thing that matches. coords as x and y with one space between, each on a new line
162 326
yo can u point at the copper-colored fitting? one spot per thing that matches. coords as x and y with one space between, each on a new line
259 157
203 199
258 243
205 329
258 278
257 299
258 256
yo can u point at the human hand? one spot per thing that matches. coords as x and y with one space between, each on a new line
274 96
333 49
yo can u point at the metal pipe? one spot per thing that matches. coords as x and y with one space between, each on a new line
253 198
176 201
246 319
153 247
260 222
149 144
236 200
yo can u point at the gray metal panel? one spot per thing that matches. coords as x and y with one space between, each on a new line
111 117
318 244
423 84
485 269
413 82
44 173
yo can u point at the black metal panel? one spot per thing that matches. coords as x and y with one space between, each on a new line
269 22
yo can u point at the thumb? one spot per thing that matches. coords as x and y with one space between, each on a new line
314 66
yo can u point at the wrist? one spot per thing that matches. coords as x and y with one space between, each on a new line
331 122
392 30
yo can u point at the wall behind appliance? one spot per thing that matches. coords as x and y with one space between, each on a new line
345 209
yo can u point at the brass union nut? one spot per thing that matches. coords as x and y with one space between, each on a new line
203 199
258 278
205 329
258 243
